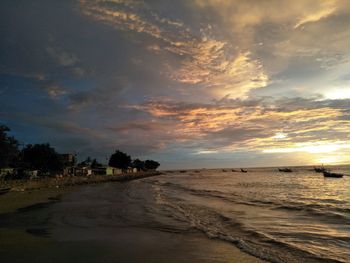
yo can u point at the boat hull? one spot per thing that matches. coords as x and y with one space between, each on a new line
333 175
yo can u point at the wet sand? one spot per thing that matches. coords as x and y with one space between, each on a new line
86 226
12 201
124 245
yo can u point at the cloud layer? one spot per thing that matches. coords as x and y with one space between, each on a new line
214 81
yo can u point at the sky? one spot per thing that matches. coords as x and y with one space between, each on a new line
199 83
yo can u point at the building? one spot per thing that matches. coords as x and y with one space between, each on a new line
113 171
131 170
6 171
99 171
68 159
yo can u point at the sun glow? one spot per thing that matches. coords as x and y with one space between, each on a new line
328 160
280 136
310 148
340 93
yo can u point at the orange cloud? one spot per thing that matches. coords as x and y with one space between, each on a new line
239 127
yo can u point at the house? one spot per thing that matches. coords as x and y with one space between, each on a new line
6 171
82 171
68 171
113 171
14 173
33 174
99 171
68 159
131 170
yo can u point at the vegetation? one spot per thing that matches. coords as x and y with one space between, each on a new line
123 161
41 157
119 160
93 163
151 165
45 159
8 148
139 165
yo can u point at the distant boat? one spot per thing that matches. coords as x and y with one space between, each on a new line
320 169
224 171
183 171
243 171
233 170
334 175
285 170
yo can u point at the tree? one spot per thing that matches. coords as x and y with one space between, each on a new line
138 164
8 148
86 162
119 160
95 164
151 165
42 157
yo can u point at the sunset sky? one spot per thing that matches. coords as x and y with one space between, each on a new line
190 83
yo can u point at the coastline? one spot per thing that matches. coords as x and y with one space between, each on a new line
22 244
25 193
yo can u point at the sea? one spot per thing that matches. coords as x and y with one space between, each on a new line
274 216
279 217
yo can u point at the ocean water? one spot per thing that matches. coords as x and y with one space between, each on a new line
280 217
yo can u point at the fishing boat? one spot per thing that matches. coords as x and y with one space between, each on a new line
330 174
285 170
243 171
319 169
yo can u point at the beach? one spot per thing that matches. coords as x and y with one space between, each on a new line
183 216
105 222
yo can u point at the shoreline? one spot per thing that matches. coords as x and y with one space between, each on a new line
23 241
26 193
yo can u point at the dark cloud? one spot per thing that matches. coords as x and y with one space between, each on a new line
177 80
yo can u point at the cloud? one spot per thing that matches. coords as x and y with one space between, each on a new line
326 9
244 14
202 58
220 78
62 57
234 125
132 16
56 91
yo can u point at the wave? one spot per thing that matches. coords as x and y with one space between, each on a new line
324 212
219 226
215 224
339 215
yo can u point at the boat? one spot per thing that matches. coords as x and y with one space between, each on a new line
330 174
243 171
4 190
234 171
224 171
319 169
285 170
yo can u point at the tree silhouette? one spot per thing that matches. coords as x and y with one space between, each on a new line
138 164
8 148
119 160
95 164
42 157
151 165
